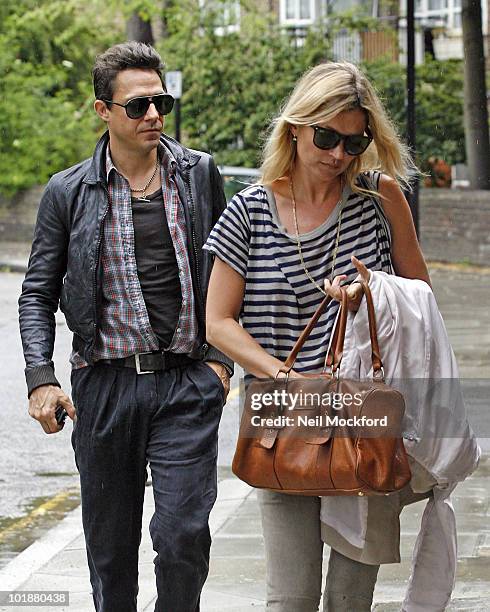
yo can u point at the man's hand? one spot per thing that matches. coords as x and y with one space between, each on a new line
43 403
354 290
222 373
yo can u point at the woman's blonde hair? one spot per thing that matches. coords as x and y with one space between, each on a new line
322 93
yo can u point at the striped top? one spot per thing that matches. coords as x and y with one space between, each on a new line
279 299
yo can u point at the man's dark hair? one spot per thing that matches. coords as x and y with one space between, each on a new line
123 57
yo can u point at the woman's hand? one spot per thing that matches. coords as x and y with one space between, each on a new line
292 374
354 290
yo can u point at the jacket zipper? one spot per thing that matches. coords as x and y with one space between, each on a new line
193 235
193 240
96 265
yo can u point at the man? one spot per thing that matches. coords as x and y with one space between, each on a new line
117 245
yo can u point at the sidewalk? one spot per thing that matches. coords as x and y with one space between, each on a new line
236 581
57 561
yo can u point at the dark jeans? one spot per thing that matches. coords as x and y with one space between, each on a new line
125 421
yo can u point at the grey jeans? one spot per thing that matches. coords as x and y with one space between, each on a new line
294 551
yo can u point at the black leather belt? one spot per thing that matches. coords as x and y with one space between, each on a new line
147 363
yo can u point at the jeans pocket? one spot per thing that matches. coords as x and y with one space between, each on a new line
215 380
80 382
101 404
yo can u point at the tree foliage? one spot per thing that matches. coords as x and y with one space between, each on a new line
234 84
46 54
234 81
439 105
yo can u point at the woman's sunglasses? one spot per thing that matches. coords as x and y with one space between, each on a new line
354 144
138 107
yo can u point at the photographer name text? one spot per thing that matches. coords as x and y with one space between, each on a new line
320 420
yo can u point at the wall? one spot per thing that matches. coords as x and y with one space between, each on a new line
454 224
18 215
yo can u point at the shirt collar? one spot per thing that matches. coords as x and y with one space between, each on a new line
109 164
167 160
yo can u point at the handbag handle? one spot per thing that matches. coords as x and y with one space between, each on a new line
289 363
336 351
340 335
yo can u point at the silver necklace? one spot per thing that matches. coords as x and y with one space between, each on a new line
298 240
143 197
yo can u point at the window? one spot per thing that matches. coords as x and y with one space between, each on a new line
437 5
440 12
297 12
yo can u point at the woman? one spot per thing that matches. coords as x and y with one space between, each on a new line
329 199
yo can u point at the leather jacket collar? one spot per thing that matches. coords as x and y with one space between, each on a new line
184 157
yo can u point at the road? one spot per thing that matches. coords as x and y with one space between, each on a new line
38 477
36 468
27 455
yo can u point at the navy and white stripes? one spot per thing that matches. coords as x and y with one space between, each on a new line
279 299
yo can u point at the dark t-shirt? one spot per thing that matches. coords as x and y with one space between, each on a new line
157 266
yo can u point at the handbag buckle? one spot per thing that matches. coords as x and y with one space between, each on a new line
328 369
285 379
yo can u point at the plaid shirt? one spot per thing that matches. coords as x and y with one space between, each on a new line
124 326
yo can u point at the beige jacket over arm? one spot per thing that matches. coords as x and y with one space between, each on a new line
419 361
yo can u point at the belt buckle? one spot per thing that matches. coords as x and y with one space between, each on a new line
138 364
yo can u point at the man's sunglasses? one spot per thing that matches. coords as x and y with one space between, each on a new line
138 107
354 144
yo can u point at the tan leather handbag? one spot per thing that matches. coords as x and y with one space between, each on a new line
286 442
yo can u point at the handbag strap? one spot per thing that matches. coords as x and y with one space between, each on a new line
335 351
335 355
289 363
375 352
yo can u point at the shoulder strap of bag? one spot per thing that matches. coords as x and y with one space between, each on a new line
370 182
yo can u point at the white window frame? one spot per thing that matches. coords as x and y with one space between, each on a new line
448 15
296 21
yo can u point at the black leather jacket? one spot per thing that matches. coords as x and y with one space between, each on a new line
64 266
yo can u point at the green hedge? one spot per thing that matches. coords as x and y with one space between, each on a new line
46 117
